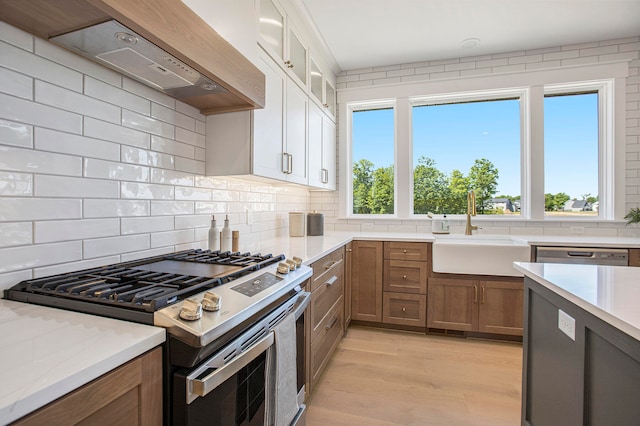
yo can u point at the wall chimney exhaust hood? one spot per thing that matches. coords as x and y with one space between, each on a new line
121 49
161 43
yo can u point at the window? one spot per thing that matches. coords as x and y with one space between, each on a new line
534 150
464 146
571 166
373 150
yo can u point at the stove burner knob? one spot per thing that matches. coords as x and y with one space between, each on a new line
298 261
211 302
292 264
283 268
191 310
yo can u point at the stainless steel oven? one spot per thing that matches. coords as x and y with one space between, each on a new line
231 387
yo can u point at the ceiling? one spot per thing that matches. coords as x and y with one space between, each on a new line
370 33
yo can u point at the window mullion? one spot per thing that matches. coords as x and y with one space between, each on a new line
533 154
403 170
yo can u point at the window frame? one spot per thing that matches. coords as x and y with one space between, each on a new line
611 75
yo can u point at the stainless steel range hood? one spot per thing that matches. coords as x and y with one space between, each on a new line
116 46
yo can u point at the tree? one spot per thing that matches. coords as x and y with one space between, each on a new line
458 188
362 183
382 191
483 178
555 202
430 188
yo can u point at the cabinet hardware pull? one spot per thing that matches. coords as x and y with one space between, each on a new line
349 250
331 265
475 294
330 326
325 176
325 105
404 277
483 291
404 251
331 281
404 309
290 164
287 62
285 162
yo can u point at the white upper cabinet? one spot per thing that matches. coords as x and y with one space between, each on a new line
316 82
330 99
297 58
295 148
322 149
271 22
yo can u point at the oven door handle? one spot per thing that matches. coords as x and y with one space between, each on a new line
201 387
301 304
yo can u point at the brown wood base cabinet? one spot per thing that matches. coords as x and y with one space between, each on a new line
325 324
471 304
129 395
366 281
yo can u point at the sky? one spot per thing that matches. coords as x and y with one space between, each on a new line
455 135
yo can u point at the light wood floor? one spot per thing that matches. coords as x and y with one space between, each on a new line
381 377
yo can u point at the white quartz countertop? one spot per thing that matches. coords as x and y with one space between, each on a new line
611 293
311 249
45 353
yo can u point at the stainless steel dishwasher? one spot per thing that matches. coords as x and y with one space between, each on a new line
583 255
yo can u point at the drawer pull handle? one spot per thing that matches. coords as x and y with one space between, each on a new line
330 326
329 266
404 251
404 277
475 294
404 309
331 281
483 292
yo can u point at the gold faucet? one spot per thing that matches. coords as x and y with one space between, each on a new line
471 211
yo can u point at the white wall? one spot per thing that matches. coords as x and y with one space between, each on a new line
502 64
96 168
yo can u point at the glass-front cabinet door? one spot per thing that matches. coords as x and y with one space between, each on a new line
297 59
271 22
330 99
316 80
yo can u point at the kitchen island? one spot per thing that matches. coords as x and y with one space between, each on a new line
581 362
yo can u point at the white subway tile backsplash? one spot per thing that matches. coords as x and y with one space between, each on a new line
187 165
162 239
16 184
56 96
201 127
17 134
201 154
59 186
161 208
33 256
142 225
114 95
23 111
193 221
13 278
172 116
68 143
171 177
31 161
147 158
169 146
147 92
115 208
21 209
66 230
127 257
146 191
16 37
13 83
29 64
190 111
192 193
115 170
74 266
15 234
115 245
140 122
114 133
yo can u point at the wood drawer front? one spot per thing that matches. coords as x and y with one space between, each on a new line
394 250
405 276
322 348
404 309
322 300
324 268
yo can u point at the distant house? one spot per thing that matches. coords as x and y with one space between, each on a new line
577 206
503 204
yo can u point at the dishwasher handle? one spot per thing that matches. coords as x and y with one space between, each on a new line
580 254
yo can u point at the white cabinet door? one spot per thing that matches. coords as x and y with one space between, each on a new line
296 134
315 146
268 123
328 153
